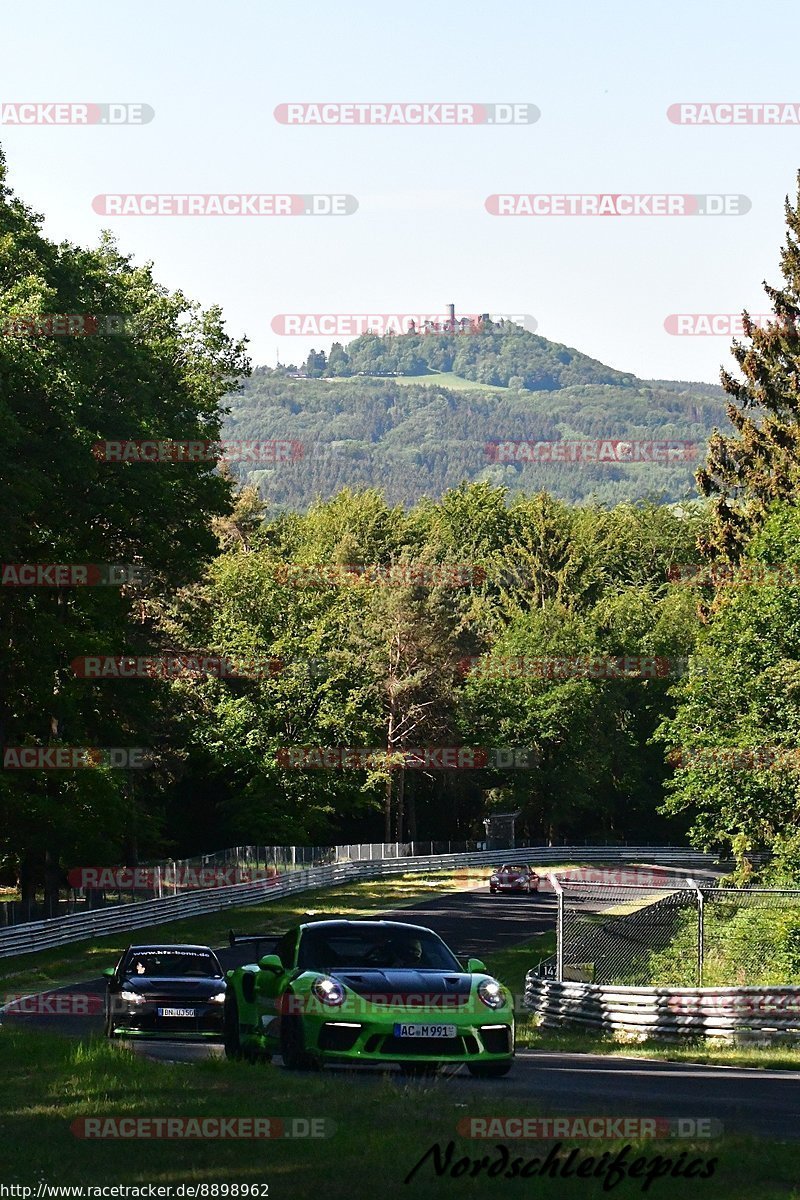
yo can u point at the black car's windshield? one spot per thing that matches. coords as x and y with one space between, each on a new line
512 870
370 946
172 963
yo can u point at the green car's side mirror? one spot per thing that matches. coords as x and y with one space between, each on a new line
475 964
110 972
271 962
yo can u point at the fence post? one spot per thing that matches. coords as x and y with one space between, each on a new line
559 891
700 931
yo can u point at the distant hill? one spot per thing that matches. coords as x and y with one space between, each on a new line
416 414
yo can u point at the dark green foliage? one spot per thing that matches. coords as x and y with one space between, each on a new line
414 441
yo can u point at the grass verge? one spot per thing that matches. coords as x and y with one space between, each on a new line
384 1125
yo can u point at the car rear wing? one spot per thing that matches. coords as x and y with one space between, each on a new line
239 939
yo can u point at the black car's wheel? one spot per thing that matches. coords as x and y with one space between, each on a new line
231 1040
292 1043
488 1070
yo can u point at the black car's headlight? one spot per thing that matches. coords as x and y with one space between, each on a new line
219 998
491 993
329 992
493 879
131 997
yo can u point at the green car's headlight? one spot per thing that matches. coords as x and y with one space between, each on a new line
328 991
132 997
491 993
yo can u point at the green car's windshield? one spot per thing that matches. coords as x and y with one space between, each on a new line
373 947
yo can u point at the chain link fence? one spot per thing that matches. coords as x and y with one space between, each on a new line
674 933
95 887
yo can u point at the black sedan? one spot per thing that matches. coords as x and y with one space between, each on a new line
165 991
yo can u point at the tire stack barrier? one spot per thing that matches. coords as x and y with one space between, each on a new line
764 1015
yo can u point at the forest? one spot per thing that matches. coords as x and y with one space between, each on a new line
644 655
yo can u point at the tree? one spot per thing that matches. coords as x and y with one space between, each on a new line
162 377
749 470
735 732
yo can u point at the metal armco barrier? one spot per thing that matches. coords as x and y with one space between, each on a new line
59 931
747 1014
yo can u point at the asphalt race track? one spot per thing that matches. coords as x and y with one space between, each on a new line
761 1102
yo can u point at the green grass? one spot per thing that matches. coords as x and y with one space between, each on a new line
585 1041
81 961
383 1126
512 964
435 379
531 1036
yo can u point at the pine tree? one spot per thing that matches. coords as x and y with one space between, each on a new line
749 470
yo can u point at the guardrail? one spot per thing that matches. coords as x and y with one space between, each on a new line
733 1014
58 931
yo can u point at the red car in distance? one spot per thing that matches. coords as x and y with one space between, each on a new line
514 878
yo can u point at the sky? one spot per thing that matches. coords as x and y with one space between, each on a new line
602 77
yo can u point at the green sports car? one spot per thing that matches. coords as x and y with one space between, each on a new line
368 992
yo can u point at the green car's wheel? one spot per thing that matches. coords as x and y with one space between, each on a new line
233 1046
489 1070
293 1052
109 1029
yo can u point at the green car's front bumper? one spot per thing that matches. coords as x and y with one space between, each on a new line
477 1038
